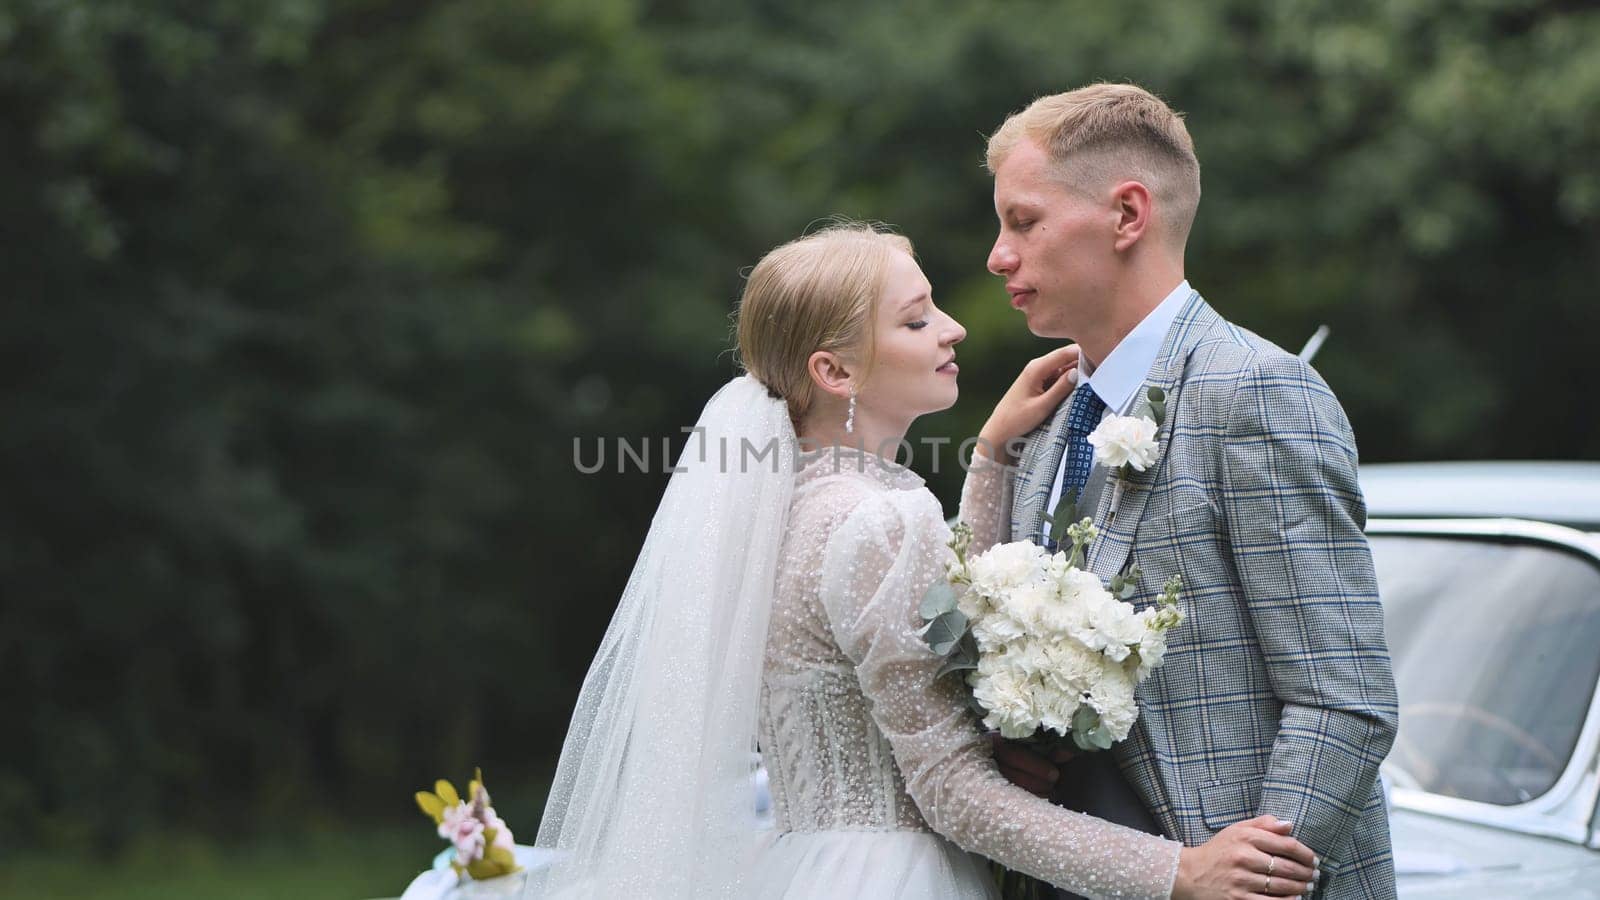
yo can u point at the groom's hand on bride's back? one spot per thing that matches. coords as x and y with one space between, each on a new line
1043 384
1026 768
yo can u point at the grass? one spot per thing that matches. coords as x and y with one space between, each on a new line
346 863
319 857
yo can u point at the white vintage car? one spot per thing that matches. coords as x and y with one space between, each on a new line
1490 579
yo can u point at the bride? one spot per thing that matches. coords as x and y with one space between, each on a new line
775 604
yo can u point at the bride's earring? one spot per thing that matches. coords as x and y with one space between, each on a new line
850 420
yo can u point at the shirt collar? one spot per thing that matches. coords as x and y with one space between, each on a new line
1128 364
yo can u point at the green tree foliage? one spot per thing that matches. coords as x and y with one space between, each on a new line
306 302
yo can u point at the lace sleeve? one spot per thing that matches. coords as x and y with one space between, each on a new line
877 565
986 502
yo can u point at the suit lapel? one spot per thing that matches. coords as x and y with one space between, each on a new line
1110 550
1040 465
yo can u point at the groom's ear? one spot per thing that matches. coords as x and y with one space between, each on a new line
829 373
1134 208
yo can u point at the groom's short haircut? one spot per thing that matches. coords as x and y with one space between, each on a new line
1103 134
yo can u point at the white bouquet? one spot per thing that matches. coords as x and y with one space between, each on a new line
1050 652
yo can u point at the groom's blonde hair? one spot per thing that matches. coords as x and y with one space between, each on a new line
817 292
1103 134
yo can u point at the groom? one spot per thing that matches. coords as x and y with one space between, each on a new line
1277 694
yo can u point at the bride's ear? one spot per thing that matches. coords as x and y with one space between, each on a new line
829 373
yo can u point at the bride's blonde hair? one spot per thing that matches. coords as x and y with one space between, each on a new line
817 292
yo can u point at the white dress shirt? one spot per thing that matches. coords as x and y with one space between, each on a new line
1117 380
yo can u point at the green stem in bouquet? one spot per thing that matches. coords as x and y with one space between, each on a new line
1081 533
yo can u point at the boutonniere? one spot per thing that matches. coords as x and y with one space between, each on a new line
1128 444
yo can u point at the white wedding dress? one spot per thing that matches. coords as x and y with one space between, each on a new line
881 783
775 604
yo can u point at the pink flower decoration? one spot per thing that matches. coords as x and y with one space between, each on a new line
462 829
502 831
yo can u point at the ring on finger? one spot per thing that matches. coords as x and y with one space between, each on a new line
1267 888
1272 863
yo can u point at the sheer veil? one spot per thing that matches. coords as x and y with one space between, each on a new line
654 795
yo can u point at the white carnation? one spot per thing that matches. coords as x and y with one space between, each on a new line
1027 604
1028 659
1125 440
1152 650
1056 568
1078 583
1008 661
1068 614
1071 668
1056 708
1097 624
1121 627
1006 566
1112 698
988 665
973 605
1059 620
994 631
1006 695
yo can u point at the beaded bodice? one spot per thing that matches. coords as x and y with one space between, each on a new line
830 765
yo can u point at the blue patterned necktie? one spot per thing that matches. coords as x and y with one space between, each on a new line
1083 416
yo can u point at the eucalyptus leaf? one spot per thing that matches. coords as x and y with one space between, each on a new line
959 661
939 599
976 707
945 631
969 646
1085 720
1066 513
1101 738
1125 584
954 665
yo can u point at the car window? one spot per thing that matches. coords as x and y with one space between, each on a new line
1496 648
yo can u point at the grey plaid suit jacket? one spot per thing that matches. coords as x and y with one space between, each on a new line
1277 694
